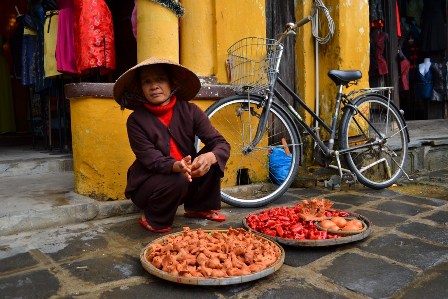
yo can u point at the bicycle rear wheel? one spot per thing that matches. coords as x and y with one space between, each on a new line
374 119
249 179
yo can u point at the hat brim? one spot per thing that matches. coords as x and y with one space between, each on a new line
127 89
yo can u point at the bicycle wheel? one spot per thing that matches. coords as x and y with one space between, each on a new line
374 119
250 179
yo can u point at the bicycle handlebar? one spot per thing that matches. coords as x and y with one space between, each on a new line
291 26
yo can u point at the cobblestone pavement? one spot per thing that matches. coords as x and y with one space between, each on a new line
405 256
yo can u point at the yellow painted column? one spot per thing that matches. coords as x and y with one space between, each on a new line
197 37
101 152
157 31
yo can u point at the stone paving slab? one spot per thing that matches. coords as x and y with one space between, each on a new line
370 276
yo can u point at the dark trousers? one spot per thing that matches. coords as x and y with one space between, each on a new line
160 196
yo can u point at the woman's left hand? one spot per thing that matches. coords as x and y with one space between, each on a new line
202 163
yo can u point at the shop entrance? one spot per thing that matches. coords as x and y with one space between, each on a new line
33 108
409 52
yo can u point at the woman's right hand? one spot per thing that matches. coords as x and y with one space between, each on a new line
184 167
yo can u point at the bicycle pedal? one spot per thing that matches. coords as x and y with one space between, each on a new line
349 178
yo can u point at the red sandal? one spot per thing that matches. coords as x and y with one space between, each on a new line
145 224
212 215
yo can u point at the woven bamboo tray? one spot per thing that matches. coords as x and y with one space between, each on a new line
327 242
209 281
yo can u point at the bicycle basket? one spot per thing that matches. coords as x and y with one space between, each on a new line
253 63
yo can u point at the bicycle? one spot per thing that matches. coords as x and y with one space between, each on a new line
372 133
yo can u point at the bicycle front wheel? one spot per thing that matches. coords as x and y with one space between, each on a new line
252 177
375 133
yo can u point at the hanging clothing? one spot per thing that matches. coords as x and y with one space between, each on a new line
414 9
33 49
65 41
29 45
439 78
397 17
7 119
94 36
378 64
16 42
405 66
37 15
433 26
50 35
375 10
424 85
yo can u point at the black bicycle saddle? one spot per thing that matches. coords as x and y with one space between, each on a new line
344 77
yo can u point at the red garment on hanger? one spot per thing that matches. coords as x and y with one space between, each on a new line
405 66
379 40
397 16
94 36
65 41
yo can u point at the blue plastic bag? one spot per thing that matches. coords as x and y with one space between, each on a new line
279 165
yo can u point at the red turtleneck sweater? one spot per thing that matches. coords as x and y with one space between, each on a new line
164 114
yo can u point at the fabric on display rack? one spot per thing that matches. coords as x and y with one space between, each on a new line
405 67
376 10
378 64
94 36
439 78
16 42
29 45
424 85
65 41
33 50
50 35
433 24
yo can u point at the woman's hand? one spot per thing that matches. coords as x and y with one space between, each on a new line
184 167
202 163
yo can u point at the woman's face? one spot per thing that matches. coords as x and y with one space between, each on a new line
156 84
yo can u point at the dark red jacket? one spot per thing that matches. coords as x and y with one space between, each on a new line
149 140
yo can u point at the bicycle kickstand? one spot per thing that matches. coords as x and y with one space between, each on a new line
348 177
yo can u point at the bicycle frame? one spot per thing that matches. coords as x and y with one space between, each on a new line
328 150
332 129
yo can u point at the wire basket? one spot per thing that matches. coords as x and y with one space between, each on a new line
252 64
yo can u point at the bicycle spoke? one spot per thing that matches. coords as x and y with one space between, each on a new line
247 179
376 125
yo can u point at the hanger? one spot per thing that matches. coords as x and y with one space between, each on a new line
18 12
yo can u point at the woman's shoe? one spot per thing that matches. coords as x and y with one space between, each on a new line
145 224
212 215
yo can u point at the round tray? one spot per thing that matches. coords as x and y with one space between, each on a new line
343 232
326 242
210 281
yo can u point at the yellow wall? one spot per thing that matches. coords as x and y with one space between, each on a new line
348 49
101 151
